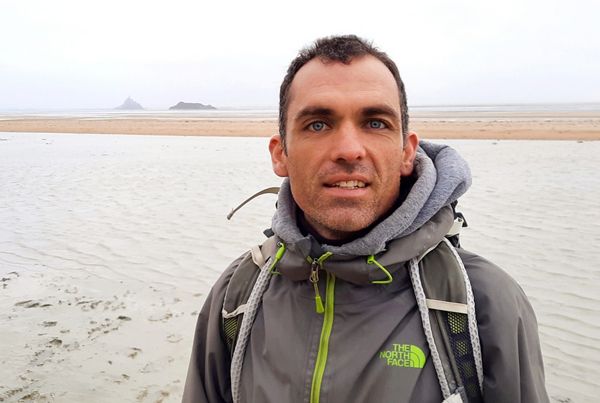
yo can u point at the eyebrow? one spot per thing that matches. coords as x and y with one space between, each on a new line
313 111
376 110
381 110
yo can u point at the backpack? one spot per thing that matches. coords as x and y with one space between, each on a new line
444 297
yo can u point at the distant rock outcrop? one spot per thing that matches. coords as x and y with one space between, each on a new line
129 105
191 105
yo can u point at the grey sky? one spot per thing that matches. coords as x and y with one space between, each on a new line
93 54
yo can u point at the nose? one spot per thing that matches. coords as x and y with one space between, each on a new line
348 144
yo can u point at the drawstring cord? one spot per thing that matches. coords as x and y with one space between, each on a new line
278 257
371 260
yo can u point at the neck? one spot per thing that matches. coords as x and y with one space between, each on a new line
306 229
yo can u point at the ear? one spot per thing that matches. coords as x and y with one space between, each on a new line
409 153
278 157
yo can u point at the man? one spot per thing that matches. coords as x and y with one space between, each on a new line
338 315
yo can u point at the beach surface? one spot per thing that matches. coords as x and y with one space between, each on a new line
507 126
111 243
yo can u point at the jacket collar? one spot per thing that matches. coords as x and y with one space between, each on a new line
296 260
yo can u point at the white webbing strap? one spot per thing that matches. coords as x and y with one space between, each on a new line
257 256
424 311
456 227
472 319
447 306
251 308
425 304
239 310
455 398
259 260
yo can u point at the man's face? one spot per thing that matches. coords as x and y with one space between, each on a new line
344 145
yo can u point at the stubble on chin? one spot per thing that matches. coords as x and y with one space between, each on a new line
343 218
339 219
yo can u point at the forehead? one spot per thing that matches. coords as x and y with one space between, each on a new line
364 79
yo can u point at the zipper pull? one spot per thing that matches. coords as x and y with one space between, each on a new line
314 278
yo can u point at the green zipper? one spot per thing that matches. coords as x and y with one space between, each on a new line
315 390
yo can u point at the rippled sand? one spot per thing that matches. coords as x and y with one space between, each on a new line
109 245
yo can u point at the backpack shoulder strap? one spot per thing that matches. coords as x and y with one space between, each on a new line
239 289
447 308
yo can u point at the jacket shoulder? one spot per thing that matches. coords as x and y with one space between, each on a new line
208 378
492 285
512 359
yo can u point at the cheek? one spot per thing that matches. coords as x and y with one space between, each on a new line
303 194
299 177
391 166
302 164
390 178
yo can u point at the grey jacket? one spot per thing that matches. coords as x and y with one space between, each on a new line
362 352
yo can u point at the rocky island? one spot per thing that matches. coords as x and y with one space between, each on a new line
129 105
191 105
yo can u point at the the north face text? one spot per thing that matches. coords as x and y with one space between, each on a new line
404 355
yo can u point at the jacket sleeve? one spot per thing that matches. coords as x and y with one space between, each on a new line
512 360
208 379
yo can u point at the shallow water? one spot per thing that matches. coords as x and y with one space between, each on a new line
152 210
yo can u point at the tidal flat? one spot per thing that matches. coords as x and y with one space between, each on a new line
109 245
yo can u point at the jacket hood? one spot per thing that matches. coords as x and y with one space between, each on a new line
362 270
416 225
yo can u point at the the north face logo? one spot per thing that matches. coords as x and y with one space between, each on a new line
404 355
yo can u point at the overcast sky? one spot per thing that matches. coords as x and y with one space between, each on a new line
89 54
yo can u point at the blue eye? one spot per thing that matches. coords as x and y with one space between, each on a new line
317 126
376 124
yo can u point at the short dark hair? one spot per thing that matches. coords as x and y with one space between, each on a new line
338 49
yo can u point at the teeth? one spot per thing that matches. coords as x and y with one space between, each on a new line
350 184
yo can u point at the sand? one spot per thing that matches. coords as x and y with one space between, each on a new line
494 126
87 316
79 338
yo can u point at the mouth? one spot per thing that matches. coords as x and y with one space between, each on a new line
354 184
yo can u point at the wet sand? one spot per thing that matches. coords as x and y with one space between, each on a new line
573 126
75 337
110 245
